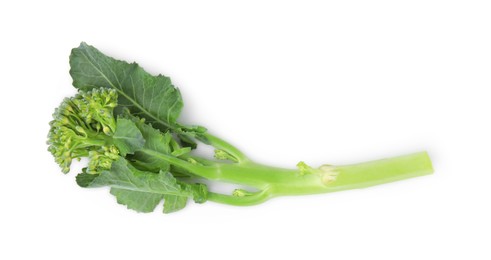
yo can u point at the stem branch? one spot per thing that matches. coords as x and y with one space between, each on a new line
223 145
249 200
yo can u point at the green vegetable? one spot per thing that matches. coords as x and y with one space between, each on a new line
125 121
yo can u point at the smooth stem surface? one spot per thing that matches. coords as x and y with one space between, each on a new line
281 182
249 200
221 144
272 181
200 170
382 171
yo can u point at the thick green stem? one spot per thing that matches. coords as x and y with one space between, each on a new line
199 170
381 171
282 182
272 182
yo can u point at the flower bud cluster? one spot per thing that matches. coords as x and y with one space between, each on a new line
81 127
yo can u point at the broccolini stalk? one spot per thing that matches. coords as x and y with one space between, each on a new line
125 121
146 161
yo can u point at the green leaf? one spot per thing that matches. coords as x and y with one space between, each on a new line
145 95
174 203
155 141
137 200
200 192
124 176
127 137
85 179
142 191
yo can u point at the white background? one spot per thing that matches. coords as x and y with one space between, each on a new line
326 82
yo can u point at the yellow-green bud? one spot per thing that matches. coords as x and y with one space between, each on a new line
106 130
